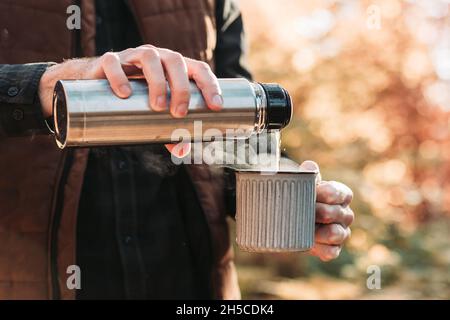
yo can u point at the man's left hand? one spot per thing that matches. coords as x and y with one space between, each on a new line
333 216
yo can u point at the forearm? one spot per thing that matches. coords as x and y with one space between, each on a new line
20 108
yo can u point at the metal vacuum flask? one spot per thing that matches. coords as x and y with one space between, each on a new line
87 113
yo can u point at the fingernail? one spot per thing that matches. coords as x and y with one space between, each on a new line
161 102
181 152
181 110
186 148
217 100
125 90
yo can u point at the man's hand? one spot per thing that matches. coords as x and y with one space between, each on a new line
157 65
333 216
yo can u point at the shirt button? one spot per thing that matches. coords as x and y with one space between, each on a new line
17 114
13 91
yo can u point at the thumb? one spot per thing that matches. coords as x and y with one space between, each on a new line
179 150
309 165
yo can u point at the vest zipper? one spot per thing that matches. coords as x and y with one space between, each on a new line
67 160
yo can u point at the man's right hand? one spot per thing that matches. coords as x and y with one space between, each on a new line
158 66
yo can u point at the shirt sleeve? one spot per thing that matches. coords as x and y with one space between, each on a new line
230 50
20 109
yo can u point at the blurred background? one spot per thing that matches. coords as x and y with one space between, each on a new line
371 87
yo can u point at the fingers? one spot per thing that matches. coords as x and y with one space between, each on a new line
149 61
311 166
329 192
154 73
332 230
328 214
332 192
326 252
207 82
177 74
158 64
116 76
333 215
179 150
331 234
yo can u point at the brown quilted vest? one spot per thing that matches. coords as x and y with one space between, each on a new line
40 185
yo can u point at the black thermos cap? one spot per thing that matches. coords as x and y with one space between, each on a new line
279 106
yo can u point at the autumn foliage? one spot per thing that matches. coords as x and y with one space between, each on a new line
372 107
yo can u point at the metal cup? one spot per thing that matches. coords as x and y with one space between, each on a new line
275 213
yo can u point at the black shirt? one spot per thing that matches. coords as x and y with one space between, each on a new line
141 231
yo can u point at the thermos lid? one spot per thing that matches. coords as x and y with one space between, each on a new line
279 106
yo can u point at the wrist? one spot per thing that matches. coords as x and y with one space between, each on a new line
46 86
69 70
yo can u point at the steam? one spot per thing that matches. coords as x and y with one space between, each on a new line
258 153
154 158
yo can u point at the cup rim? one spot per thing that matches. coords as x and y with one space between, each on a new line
266 172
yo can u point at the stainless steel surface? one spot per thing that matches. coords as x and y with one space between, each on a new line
275 213
87 113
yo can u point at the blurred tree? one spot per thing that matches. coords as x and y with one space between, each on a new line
372 107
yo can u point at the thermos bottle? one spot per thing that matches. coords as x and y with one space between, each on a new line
87 113
273 212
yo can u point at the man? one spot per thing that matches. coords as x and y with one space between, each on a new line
136 225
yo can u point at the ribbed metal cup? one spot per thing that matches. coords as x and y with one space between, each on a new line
275 213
